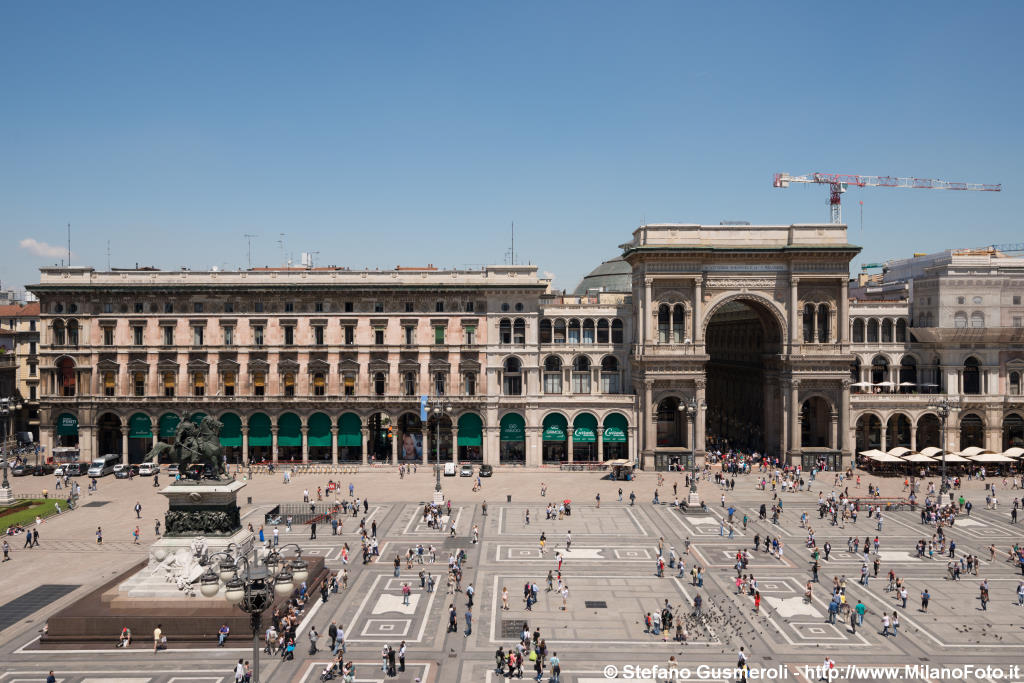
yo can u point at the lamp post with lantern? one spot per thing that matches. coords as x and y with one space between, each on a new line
439 407
252 582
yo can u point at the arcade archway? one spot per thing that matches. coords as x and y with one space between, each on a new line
743 412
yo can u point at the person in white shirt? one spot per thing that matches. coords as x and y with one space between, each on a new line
239 672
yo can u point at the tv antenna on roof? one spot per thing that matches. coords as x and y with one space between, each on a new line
280 243
248 239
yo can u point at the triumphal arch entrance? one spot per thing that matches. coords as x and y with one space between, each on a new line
742 341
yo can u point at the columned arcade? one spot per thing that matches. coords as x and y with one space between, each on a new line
741 341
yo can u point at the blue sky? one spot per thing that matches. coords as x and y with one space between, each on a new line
381 134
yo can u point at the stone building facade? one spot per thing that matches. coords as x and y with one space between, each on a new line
19 368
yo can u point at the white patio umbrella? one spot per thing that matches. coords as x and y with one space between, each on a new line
918 457
1014 452
884 384
869 453
990 457
971 450
861 384
885 457
931 451
908 384
952 457
899 450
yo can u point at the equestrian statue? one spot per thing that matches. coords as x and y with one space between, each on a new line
194 445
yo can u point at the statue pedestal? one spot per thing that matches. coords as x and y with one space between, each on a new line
6 495
438 498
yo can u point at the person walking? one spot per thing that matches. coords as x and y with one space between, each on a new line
925 597
158 637
138 510
99 536
7 556
469 621
885 624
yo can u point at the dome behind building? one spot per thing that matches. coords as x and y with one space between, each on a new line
614 275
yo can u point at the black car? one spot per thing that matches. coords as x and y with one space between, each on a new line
22 470
43 470
125 471
486 471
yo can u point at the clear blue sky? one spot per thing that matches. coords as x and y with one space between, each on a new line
404 133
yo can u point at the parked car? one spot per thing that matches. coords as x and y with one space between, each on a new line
466 471
125 471
172 469
449 469
22 470
148 469
43 469
486 471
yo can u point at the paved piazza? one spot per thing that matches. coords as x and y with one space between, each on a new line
610 572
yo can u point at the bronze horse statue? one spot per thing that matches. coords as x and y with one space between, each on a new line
194 444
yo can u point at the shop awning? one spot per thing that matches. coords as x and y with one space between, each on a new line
615 428
470 430
168 425
231 432
259 430
289 430
349 430
584 429
555 427
513 428
140 427
319 430
67 425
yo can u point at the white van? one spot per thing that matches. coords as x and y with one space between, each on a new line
148 469
449 469
104 465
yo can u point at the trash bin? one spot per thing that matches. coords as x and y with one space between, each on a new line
508 498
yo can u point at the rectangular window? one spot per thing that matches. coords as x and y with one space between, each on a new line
408 307
610 382
199 384
1016 299
574 335
289 385
410 384
318 307
31 369
197 336
318 335
439 334
138 307
289 335
410 335
1018 321
470 335
350 334
581 382
259 384
229 307
32 325
289 306
378 307
108 336
319 384
137 335
348 307
439 307
229 384
139 383
229 336
108 383
257 307
552 382
32 393
350 385
108 308
378 336
588 335
439 382
469 307
31 348
169 384
257 335
168 307
168 335
470 384
961 299
197 307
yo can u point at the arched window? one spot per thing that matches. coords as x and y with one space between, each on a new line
824 323
901 330
66 377
977 321
880 371
409 383
972 376
1014 384
855 372
553 375
519 332
808 323
379 384
545 331
664 322
58 333
972 431
581 375
858 331
908 375
588 331
574 331
512 377
960 320
616 331
678 324
887 331
872 331
559 332
602 331
610 383
505 331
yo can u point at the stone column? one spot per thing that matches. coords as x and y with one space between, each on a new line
334 444
245 444
394 448
843 323
124 444
648 415
634 453
913 437
305 443
646 321
273 443
455 444
794 313
698 311
365 431
426 455
845 416
883 446
568 443
835 430
600 444
700 430
794 407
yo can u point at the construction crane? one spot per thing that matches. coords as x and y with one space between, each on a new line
838 183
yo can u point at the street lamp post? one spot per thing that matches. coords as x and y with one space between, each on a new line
690 409
943 409
252 584
439 407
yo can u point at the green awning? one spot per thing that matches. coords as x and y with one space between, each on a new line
471 430
168 425
197 418
139 427
289 430
555 427
584 429
319 430
259 430
513 428
67 425
231 432
615 429
350 430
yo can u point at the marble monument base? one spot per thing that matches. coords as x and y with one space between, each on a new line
6 496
